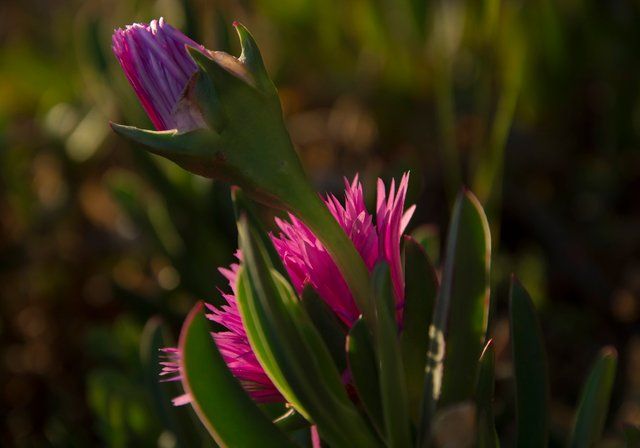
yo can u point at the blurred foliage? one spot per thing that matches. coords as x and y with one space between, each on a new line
535 105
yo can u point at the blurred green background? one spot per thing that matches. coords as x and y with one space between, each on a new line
535 105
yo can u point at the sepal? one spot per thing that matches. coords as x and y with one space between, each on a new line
252 59
197 151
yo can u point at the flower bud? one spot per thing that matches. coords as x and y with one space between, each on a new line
158 66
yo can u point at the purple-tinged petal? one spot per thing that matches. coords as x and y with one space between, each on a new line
391 220
156 63
234 343
171 372
307 261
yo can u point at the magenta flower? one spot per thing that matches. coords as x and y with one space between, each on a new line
308 263
156 63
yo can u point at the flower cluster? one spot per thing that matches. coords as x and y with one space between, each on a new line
308 263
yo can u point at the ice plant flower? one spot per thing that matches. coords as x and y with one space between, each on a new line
245 141
156 62
308 263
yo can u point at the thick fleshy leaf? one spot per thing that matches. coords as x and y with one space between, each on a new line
421 287
530 369
428 237
487 436
462 303
395 405
364 372
243 205
171 143
465 287
197 151
219 400
331 330
298 349
257 331
594 402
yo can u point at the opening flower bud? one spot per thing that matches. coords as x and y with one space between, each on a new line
156 62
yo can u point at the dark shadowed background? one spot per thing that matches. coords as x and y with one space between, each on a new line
534 105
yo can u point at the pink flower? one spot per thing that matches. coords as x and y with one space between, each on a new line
234 343
155 60
308 262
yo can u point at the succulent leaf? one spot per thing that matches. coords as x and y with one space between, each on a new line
217 397
530 370
594 402
420 296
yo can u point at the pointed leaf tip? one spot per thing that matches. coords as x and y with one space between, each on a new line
594 402
144 136
252 59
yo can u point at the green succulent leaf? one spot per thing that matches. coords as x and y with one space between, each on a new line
298 349
257 329
487 436
421 287
395 405
219 400
243 205
170 142
594 402
364 372
530 369
197 151
428 237
331 330
463 304
465 288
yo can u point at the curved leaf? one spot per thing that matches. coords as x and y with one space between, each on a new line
594 402
463 304
530 368
420 296
298 350
364 372
465 287
331 330
395 406
219 400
